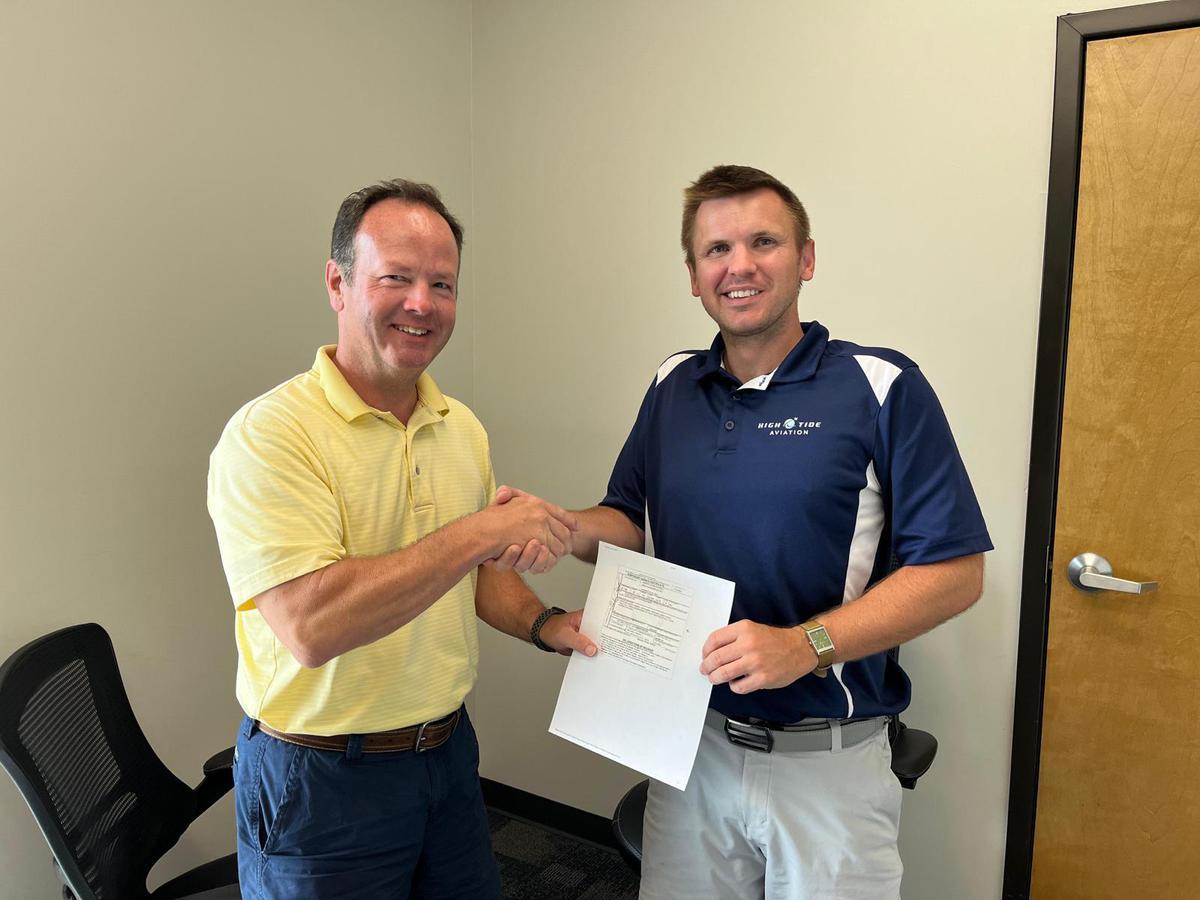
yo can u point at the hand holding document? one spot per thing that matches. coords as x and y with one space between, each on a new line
641 700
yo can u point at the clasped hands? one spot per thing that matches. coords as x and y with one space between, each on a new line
538 533
547 532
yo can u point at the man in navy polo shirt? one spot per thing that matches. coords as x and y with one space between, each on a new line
793 465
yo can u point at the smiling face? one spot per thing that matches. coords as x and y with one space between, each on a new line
748 268
398 310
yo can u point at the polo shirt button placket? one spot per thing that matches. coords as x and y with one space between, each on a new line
727 428
420 487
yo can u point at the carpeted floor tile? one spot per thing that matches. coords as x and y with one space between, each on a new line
539 863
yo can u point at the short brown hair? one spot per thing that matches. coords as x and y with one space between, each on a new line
728 181
350 215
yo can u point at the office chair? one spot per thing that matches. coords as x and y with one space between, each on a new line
106 804
913 751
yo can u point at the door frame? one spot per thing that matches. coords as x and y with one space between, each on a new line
1074 34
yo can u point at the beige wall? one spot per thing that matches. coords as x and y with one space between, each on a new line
918 136
169 174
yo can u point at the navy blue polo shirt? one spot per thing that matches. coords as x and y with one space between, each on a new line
798 486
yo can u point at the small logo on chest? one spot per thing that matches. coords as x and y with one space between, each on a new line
789 427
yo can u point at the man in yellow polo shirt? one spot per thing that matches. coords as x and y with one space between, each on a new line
355 509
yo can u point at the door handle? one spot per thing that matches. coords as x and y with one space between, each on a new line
1091 572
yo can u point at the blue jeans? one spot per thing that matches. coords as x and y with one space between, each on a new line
321 823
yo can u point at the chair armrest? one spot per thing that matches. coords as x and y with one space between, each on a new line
218 780
218 761
913 751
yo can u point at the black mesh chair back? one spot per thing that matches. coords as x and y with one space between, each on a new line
106 804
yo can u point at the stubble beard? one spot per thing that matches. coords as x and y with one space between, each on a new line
768 329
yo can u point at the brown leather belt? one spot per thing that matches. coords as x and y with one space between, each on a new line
421 737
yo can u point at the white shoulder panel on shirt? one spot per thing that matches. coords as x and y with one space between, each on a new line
669 366
880 373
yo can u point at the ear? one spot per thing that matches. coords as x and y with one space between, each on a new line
334 285
692 276
808 260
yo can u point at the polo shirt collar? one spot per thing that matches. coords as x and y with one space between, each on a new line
800 364
346 402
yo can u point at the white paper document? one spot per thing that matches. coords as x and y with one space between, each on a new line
641 700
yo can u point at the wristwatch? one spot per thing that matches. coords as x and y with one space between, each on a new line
535 632
822 645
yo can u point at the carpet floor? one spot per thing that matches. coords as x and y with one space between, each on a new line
538 863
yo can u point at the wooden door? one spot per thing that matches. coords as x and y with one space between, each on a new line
1118 803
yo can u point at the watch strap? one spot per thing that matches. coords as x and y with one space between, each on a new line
535 631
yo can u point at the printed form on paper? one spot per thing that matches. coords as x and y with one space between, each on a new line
641 700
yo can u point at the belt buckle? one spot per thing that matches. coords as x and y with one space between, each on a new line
417 748
746 734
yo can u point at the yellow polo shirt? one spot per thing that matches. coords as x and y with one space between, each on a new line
308 474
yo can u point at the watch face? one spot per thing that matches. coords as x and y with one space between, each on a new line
820 640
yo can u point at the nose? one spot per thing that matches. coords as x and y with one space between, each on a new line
417 299
741 261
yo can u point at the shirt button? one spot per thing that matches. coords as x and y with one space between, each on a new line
729 425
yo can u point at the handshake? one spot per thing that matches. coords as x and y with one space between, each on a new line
526 533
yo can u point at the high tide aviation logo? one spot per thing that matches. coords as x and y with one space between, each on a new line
790 427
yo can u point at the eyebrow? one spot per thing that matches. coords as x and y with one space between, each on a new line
388 267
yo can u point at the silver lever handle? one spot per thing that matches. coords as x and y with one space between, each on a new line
1090 572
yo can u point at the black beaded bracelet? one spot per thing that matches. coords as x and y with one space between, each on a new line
535 632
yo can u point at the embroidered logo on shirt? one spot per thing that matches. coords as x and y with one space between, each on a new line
789 427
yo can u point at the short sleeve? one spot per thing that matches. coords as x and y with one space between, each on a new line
934 513
627 485
275 513
485 466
